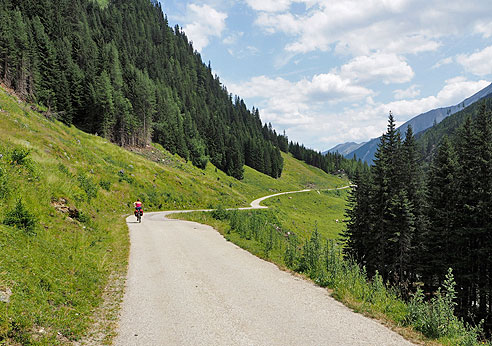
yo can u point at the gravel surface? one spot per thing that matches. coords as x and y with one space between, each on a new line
187 285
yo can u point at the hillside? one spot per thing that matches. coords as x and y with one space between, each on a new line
118 70
344 148
419 123
429 139
62 233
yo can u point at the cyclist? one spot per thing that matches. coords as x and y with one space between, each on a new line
138 206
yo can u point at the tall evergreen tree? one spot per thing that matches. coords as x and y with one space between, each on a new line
442 240
357 235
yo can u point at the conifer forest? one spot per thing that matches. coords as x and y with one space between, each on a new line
121 72
411 222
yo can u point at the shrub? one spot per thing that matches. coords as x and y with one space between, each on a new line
105 184
62 168
4 187
125 177
83 217
88 186
290 255
21 218
19 156
219 213
436 318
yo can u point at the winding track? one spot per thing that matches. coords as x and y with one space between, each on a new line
187 285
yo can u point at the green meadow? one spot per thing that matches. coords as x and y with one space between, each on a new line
302 213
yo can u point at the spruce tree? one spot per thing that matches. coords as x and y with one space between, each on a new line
357 235
442 239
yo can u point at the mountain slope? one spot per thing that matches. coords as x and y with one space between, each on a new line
118 70
429 139
344 148
419 123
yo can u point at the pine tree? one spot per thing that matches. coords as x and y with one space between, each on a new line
468 214
413 185
442 239
357 236
47 79
7 46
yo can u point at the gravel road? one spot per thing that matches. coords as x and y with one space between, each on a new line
187 285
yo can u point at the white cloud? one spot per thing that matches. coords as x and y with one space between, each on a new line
304 108
484 28
389 68
331 87
284 22
233 38
409 93
295 103
454 91
364 27
445 61
269 5
369 121
204 22
479 63
321 88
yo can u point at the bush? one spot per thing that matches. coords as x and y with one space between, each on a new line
105 184
219 213
125 177
4 187
88 186
82 217
64 170
21 218
290 254
19 156
436 318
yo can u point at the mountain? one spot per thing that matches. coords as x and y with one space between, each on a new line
429 139
117 69
344 148
419 123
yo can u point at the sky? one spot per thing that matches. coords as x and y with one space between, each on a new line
329 71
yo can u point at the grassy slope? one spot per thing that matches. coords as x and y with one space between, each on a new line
57 277
102 3
302 213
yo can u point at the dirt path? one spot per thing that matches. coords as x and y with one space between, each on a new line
187 285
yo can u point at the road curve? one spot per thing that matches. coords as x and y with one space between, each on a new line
187 285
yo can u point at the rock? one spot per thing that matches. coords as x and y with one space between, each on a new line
5 295
61 206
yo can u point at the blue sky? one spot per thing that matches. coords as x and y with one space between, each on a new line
328 72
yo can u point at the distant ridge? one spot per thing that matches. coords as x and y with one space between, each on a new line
344 148
430 138
419 123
